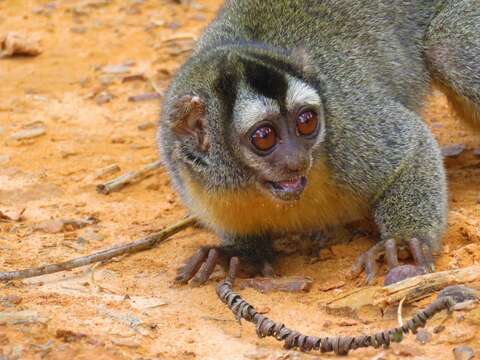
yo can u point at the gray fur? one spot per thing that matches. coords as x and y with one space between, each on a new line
371 63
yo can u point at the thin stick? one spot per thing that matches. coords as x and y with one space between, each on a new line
28 134
399 312
145 243
127 178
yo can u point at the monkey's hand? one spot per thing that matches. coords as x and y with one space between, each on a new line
421 253
199 267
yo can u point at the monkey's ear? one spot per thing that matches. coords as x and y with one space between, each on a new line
188 119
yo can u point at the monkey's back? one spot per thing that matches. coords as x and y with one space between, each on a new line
377 43
362 52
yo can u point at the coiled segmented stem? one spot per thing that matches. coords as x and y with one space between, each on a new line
340 345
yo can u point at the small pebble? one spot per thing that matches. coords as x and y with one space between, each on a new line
423 336
402 272
453 150
103 98
463 353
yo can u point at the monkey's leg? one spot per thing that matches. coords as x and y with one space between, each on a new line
411 212
256 252
453 53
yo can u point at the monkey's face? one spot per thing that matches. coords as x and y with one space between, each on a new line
278 134
240 118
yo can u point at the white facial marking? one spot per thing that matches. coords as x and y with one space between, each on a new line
250 108
300 94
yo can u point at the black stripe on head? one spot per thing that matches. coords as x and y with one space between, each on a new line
266 80
226 88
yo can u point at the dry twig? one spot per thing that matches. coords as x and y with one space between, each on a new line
136 246
128 178
28 133
144 97
399 312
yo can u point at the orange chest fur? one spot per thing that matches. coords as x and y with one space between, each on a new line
251 211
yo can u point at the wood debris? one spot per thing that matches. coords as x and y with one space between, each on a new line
146 125
412 289
16 44
28 133
69 336
61 225
15 218
116 69
144 97
128 178
104 171
20 317
285 284
134 77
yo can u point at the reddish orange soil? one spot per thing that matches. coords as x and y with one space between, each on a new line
129 308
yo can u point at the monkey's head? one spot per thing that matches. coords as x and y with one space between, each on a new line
244 116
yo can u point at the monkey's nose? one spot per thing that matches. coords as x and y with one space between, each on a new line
296 164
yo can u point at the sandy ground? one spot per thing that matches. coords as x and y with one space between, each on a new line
129 308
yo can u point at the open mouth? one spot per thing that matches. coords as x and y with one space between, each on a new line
287 190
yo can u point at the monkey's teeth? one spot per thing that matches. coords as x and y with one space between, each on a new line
296 184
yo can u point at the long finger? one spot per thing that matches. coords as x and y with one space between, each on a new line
370 266
417 252
358 266
391 254
206 269
267 270
193 264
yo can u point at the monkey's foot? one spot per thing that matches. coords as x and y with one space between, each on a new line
421 253
199 267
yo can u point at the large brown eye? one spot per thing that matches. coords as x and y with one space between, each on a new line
264 138
307 123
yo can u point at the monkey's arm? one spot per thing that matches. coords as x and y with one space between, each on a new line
386 152
412 210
